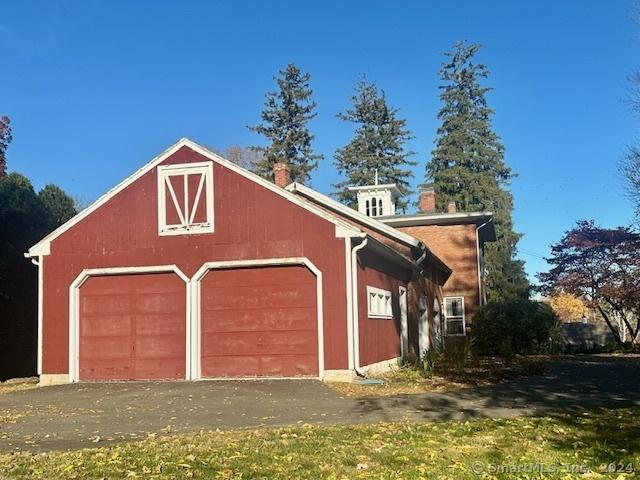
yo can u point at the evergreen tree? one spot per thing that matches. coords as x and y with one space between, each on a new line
378 146
284 123
467 166
5 140
60 206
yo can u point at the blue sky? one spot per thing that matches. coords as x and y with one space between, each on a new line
96 89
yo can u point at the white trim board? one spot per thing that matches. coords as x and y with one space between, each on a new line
43 247
404 321
196 337
40 312
74 310
354 215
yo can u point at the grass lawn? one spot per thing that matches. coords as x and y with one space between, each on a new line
447 376
586 443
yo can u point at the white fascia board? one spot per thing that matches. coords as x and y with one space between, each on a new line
43 246
436 219
354 215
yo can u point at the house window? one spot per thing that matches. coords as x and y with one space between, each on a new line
185 198
454 316
379 303
374 207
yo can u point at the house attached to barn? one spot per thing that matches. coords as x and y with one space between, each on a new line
195 268
459 239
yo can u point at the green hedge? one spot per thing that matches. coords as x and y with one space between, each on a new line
514 327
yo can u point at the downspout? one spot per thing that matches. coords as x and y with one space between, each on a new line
354 304
481 299
38 263
420 259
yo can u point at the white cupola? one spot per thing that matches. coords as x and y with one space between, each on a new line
377 200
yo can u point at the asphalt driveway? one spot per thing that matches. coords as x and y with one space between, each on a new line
86 415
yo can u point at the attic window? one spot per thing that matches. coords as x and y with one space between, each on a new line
185 198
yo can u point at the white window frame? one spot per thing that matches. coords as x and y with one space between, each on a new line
206 187
383 306
454 318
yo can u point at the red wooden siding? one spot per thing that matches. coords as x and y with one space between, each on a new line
251 222
132 327
259 322
379 337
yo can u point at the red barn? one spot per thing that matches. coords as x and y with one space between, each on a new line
196 268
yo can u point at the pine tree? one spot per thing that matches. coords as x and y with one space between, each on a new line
5 140
467 166
378 146
284 123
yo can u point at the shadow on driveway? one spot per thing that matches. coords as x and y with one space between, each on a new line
86 415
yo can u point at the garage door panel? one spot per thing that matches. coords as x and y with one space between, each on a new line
105 305
132 327
108 369
158 369
107 325
155 324
260 319
268 365
259 322
283 296
164 346
160 302
289 275
260 343
105 347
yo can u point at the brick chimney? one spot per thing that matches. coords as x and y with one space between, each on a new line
281 174
427 202
451 208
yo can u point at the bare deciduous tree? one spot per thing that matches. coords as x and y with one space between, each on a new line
244 157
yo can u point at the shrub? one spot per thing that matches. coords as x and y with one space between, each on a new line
430 361
514 327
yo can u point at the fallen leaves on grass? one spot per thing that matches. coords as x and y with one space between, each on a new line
407 380
10 387
386 450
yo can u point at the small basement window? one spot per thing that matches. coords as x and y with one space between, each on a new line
454 316
185 198
379 303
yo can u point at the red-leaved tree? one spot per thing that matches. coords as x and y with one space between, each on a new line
601 266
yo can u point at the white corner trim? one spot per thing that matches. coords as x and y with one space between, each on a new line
404 321
354 215
40 311
196 337
349 289
43 246
74 310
